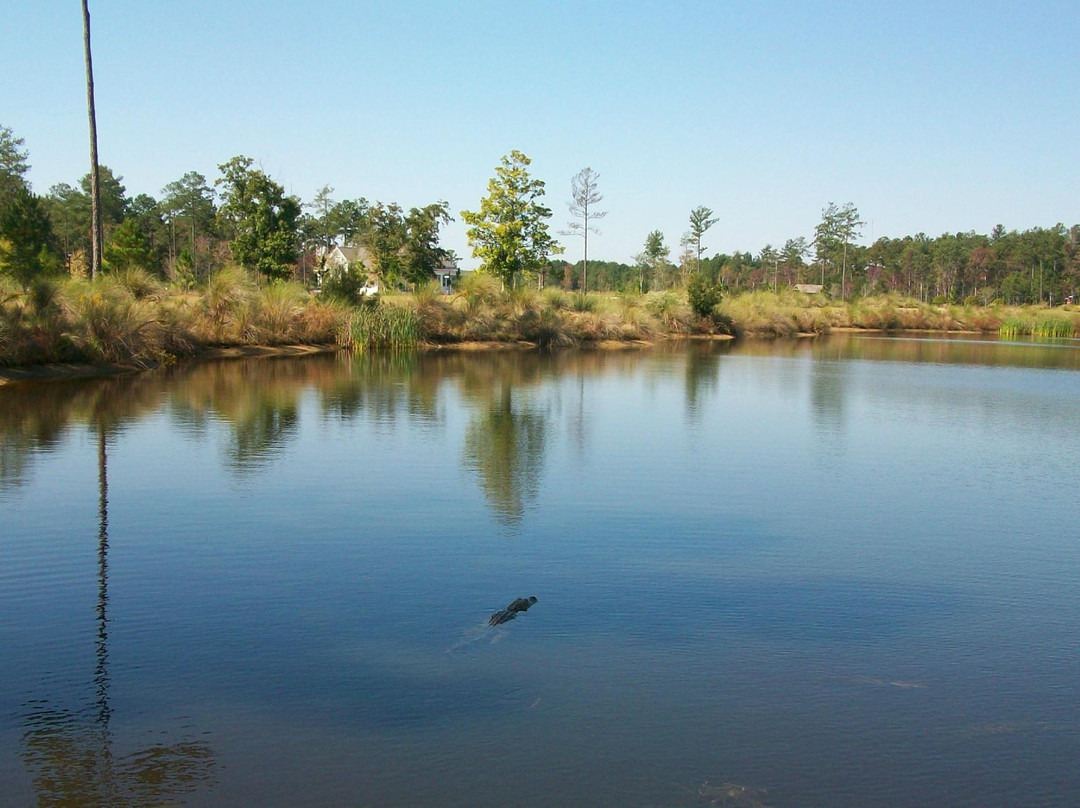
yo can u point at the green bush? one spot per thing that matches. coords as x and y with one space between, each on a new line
704 295
345 285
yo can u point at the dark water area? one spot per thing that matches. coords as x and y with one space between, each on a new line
839 572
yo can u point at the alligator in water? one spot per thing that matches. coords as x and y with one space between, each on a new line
511 611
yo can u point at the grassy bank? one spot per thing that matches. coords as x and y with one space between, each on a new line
133 319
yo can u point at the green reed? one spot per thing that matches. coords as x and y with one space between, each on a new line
394 327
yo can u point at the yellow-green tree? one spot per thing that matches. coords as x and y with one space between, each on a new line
509 233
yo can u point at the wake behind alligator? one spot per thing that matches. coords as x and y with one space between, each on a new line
516 607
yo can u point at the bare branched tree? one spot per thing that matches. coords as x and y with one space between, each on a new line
582 206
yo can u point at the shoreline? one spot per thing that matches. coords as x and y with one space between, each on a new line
67 371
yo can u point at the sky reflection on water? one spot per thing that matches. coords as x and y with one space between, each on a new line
840 572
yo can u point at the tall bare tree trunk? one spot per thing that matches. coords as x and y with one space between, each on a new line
95 194
585 258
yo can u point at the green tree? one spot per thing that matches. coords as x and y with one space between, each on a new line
652 261
260 218
148 217
584 199
13 166
769 259
351 219
792 255
324 225
69 210
701 219
422 251
509 234
188 202
385 236
113 196
704 294
129 247
27 245
833 237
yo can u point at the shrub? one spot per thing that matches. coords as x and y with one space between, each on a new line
345 285
704 295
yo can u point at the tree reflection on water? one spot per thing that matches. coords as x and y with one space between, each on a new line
71 754
504 445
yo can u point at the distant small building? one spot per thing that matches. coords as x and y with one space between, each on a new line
446 277
338 259
808 288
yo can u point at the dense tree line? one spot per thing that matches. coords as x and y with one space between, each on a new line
1040 265
246 217
196 227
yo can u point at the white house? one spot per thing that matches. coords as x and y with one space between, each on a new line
337 259
447 276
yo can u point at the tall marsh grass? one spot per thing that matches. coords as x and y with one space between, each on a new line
132 317
393 327
1040 325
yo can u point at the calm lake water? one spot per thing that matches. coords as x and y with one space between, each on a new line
837 573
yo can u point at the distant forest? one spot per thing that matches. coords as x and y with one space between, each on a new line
1033 266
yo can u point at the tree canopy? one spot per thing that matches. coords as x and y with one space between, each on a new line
13 165
261 218
509 234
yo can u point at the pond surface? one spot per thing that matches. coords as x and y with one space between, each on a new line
834 573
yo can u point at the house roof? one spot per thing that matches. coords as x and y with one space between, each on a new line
353 254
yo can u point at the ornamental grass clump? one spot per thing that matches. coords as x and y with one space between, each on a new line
276 313
593 326
516 301
139 282
33 325
478 288
583 301
545 327
438 320
321 322
984 320
108 324
225 315
556 298
671 312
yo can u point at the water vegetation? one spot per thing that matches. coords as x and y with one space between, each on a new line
132 318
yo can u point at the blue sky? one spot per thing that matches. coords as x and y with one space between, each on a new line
932 117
